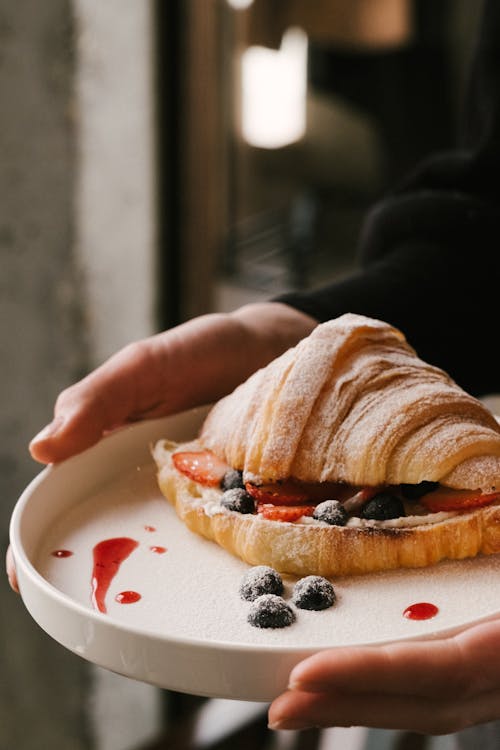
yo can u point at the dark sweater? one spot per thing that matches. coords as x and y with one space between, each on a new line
430 251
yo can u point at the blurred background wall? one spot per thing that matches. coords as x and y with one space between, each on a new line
77 282
43 341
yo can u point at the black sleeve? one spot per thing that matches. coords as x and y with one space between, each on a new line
430 251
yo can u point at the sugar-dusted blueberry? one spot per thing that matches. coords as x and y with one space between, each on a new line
416 491
232 479
259 580
239 500
313 592
332 512
270 611
382 507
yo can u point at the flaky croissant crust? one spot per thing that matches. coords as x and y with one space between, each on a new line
354 403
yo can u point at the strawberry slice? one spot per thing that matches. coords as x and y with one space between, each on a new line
201 466
294 493
447 499
284 493
288 513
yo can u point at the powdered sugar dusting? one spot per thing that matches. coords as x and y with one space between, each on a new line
192 591
352 402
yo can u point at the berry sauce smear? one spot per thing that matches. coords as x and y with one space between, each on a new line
108 556
421 611
127 597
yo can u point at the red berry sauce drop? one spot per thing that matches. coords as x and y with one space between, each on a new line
150 528
158 550
421 611
108 556
61 553
127 597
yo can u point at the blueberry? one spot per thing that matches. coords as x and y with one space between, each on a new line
313 592
239 500
415 491
270 611
332 512
260 580
232 479
382 507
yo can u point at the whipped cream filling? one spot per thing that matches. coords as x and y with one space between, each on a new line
402 521
210 503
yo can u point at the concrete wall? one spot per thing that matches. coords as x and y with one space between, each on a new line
115 187
76 282
42 343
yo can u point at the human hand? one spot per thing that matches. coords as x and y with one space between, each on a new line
11 570
192 364
189 365
432 687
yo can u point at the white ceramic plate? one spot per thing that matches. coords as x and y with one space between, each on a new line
188 631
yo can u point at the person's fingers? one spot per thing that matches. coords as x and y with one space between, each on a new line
97 403
435 686
458 665
11 570
149 378
189 365
300 710
192 364
136 383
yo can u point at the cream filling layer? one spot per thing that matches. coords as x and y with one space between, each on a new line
210 502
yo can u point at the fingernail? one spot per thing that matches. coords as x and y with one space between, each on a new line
13 582
49 431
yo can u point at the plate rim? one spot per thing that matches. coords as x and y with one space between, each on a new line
103 619
22 561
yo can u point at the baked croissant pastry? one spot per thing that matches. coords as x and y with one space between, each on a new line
347 454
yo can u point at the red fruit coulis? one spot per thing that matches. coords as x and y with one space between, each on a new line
127 597
108 556
61 553
150 528
158 550
421 611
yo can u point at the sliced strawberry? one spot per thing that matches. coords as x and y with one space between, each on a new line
201 466
283 493
293 493
447 499
360 498
284 512
366 493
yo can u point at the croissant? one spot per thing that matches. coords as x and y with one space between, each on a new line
352 421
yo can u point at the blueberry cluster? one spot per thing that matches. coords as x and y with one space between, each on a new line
263 586
232 479
382 507
387 504
238 499
261 580
331 512
313 592
234 496
270 611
